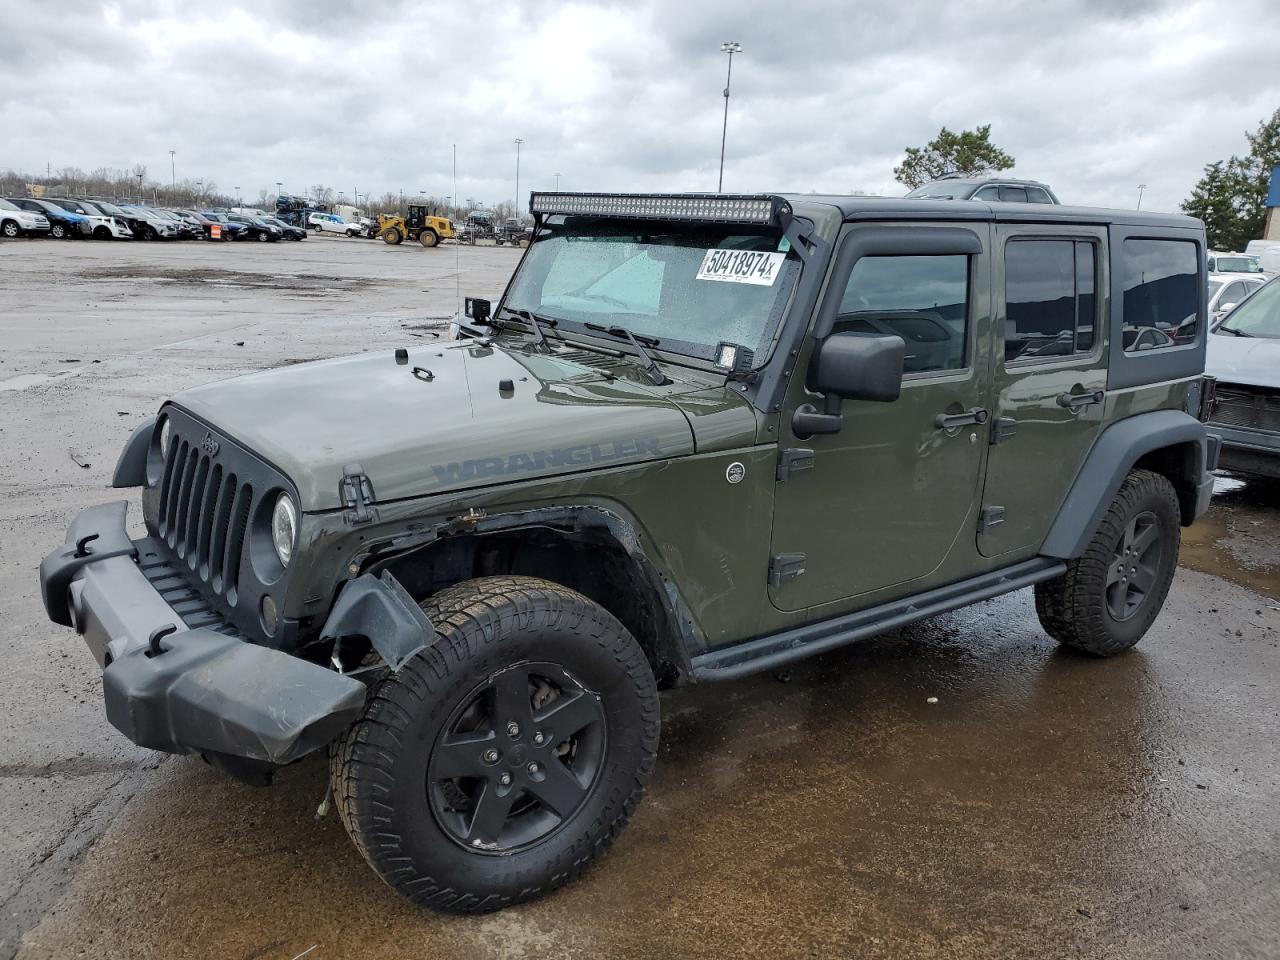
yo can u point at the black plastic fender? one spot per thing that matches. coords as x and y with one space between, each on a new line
131 468
381 610
1117 449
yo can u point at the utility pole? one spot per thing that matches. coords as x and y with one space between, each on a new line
730 47
1141 187
517 205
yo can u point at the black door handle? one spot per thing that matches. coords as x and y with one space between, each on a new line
1074 401
953 421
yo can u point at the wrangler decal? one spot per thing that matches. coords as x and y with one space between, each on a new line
582 455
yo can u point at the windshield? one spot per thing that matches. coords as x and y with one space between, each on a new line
6 205
1214 287
1239 265
690 285
945 189
112 209
1259 316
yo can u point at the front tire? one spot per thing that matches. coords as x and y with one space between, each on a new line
10 229
392 237
58 231
495 766
428 238
1113 592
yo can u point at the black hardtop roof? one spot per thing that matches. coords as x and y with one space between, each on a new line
902 208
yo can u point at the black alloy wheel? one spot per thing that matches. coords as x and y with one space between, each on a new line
517 758
1135 566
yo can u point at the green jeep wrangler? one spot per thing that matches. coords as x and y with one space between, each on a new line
699 436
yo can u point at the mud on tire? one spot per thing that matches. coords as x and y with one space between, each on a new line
412 826
1111 594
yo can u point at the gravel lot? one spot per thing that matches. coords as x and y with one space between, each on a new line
1047 805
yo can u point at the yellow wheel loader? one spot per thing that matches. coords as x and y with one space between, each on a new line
428 230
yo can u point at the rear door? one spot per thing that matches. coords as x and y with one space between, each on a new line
1049 380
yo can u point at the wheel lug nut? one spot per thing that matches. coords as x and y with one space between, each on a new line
513 729
505 779
538 737
491 756
533 768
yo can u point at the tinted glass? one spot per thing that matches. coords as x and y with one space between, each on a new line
924 300
1036 195
987 193
1086 299
1014 194
1161 291
1040 295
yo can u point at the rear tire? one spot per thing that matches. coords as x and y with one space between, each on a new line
1113 592
528 681
428 238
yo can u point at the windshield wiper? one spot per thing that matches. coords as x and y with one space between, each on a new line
1233 331
650 366
536 322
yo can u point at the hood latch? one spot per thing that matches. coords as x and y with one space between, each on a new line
357 495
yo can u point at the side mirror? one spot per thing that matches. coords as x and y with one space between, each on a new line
1224 307
476 309
851 366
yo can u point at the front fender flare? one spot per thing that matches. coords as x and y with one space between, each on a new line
1114 453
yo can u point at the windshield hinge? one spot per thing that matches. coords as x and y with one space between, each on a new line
990 517
357 495
785 566
793 460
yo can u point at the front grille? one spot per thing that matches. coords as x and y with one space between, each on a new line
169 579
203 516
1255 408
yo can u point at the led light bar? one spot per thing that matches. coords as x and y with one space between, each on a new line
717 207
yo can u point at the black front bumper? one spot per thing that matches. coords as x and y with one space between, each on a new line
197 690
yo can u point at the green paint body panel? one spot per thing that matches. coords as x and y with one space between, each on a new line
889 506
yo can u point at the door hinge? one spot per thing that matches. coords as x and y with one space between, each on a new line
990 517
793 460
1003 429
357 495
784 567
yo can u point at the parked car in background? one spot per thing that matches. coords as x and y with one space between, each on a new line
187 229
16 222
144 224
1228 289
1233 263
230 228
288 230
331 223
1267 252
102 225
62 223
1244 354
205 223
999 189
255 228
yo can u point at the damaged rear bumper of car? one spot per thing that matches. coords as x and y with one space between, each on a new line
168 687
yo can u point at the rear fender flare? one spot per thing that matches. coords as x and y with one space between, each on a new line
1114 453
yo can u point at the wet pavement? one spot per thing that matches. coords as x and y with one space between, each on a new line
1047 805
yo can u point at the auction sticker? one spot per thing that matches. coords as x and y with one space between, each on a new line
760 267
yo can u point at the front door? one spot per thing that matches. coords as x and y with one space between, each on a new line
1048 381
884 501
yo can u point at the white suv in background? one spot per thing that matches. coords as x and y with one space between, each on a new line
16 222
330 223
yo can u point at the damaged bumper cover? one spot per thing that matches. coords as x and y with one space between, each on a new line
180 690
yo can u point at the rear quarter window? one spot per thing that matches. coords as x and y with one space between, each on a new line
1160 284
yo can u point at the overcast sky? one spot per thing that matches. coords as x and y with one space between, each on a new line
1091 96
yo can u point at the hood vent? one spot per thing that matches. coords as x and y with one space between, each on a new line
588 358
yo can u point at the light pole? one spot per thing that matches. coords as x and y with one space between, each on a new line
557 183
200 190
518 142
1141 187
140 175
279 187
730 47
173 173
239 202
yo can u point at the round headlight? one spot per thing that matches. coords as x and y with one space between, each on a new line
164 437
284 528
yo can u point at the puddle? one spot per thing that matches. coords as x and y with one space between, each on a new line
1239 538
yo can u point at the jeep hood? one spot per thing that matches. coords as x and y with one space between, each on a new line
443 420
1251 361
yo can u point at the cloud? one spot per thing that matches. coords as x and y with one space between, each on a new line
1092 97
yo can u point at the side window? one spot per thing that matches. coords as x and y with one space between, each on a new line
1014 194
1161 293
1233 294
924 300
1036 195
1050 298
987 193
